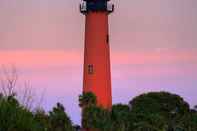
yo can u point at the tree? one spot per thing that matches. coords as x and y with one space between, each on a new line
9 87
96 118
8 79
162 102
77 127
14 117
87 99
59 120
120 117
187 122
152 122
164 107
93 116
42 119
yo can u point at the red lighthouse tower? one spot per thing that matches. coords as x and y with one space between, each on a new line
97 75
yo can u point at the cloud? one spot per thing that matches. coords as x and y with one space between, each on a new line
137 63
39 59
60 72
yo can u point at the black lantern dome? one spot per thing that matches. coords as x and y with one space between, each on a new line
96 6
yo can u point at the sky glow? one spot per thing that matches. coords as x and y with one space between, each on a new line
153 48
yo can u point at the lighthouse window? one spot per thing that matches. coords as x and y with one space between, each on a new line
107 39
90 69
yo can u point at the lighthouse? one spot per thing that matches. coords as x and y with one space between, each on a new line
97 72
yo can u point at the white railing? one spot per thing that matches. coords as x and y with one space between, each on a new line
83 7
110 7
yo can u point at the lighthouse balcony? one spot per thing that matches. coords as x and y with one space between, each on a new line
110 7
86 7
83 7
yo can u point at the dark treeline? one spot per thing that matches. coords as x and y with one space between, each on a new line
154 111
16 117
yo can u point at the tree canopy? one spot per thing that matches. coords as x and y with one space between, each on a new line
15 117
154 111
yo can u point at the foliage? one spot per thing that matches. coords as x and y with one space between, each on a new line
15 117
42 119
154 111
87 99
120 117
159 110
96 118
93 117
153 122
59 120
164 103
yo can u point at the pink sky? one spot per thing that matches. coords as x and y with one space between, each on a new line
153 48
59 74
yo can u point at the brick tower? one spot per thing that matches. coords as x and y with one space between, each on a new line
97 74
